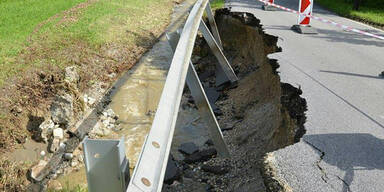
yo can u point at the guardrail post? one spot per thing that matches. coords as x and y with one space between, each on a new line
202 103
106 165
305 8
224 64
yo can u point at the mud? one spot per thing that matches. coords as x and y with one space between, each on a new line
260 115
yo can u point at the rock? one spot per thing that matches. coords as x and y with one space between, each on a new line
68 156
89 100
71 75
62 109
100 130
74 163
35 170
218 170
172 173
110 126
188 148
62 145
80 158
45 129
111 75
209 142
110 113
54 145
18 109
54 185
106 122
201 156
218 112
58 133
229 126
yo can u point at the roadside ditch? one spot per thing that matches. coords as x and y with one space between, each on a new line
260 115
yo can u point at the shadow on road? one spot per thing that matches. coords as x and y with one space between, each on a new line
352 74
335 35
347 37
350 153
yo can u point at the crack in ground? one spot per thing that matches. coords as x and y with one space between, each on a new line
324 175
344 182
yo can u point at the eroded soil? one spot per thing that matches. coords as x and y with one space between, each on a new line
260 115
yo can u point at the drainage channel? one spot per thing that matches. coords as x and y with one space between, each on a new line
259 115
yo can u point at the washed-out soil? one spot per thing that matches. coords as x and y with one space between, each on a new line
259 115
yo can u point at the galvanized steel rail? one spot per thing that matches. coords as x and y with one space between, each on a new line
151 166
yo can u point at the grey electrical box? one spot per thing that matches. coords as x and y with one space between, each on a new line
106 165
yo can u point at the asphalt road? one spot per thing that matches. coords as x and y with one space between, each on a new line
343 148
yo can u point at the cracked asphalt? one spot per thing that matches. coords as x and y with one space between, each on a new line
343 149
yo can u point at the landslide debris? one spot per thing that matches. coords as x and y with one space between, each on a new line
259 115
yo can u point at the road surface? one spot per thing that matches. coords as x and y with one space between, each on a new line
343 148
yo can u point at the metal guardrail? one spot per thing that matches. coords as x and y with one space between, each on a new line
150 169
151 166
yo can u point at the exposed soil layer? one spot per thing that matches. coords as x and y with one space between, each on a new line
260 115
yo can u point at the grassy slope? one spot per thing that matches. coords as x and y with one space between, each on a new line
18 20
98 36
370 11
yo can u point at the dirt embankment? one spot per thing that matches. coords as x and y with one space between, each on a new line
260 115
26 99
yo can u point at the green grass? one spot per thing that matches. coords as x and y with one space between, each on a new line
20 17
370 10
217 4
101 22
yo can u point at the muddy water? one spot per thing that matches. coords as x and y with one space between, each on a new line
136 100
29 152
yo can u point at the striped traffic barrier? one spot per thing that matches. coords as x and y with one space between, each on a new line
305 11
345 27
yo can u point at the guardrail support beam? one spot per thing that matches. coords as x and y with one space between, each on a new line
224 64
213 25
202 103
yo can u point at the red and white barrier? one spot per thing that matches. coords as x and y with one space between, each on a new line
345 27
271 1
305 9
